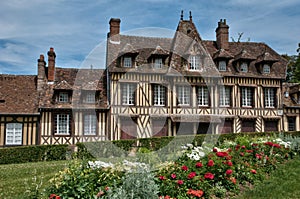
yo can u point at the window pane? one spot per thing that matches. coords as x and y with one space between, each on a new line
62 124
159 95
14 133
202 96
246 96
127 62
269 97
225 96
128 94
90 98
158 63
63 97
244 67
222 65
194 61
266 69
90 124
183 95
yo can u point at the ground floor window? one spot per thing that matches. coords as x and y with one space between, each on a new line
227 127
271 125
128 128
292 123
203 128
184 128
159 127
248 125
14 133
62 124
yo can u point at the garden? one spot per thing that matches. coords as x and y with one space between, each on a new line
231 168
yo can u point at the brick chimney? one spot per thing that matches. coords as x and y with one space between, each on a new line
114 27
222 35
41 72
51 64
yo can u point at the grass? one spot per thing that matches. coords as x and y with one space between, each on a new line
16 179
282 183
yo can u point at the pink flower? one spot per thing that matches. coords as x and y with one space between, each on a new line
180 182
243 147
249 151
199 165
162 177
253 171
173 175
184 168
229 163
241 154
209 176
229 172
210 163
191 175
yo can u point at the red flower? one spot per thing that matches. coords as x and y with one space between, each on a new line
180 182
215 150
210 163
106 188
241 154
173 175
53 196
184 168
199 165
233 180
162 177
197 193
209 176
167 197
229 163
253 171
191 175
229 150
229 172
222 154
249 151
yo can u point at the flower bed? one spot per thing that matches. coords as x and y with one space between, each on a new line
202 172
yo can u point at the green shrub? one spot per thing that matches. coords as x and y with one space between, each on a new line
24 154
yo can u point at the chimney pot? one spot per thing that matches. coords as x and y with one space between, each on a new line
114 26
222 34
51 64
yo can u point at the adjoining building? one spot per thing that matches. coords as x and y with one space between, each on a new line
152 87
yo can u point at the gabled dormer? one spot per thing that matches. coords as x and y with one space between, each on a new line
158 57
264 63
127 57
62 92
221 59
242 61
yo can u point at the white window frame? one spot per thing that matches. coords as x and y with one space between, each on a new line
90 98
159 95
244 67
225 96
222 65
202 96
14 134
194 62
63 97
184 95
247 96
266 69
127 62
62 122
90 124
269 94
158 63
128 94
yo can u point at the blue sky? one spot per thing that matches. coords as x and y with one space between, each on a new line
74 28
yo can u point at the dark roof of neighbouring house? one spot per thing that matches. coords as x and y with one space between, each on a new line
18 94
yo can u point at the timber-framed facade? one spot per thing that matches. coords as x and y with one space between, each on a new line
149 87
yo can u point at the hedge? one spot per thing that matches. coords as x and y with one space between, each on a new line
119 148
37 153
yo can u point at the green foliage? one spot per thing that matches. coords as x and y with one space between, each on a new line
33 153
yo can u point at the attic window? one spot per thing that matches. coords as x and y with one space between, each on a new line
63 97
158 63
194 62
266 69
222 65
127 62
244 67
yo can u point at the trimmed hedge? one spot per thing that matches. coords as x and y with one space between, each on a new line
25 154
119 148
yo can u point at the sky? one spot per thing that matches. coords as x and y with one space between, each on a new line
76 28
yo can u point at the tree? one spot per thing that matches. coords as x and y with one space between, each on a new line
293 68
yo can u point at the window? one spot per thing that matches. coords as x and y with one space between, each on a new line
266 69
158 63
269 97
244 67
194 62
128 94
222 65
292 123
127 62
247 96
62 124
90 124
14 134
159 97
225 96
183 95
90 98
202 96
63 97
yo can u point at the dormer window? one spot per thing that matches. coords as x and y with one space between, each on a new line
194 62
266 69
127 62
90 98
222 65
244 67
158 63
63 97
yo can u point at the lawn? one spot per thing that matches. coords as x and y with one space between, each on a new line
283 183
17 179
